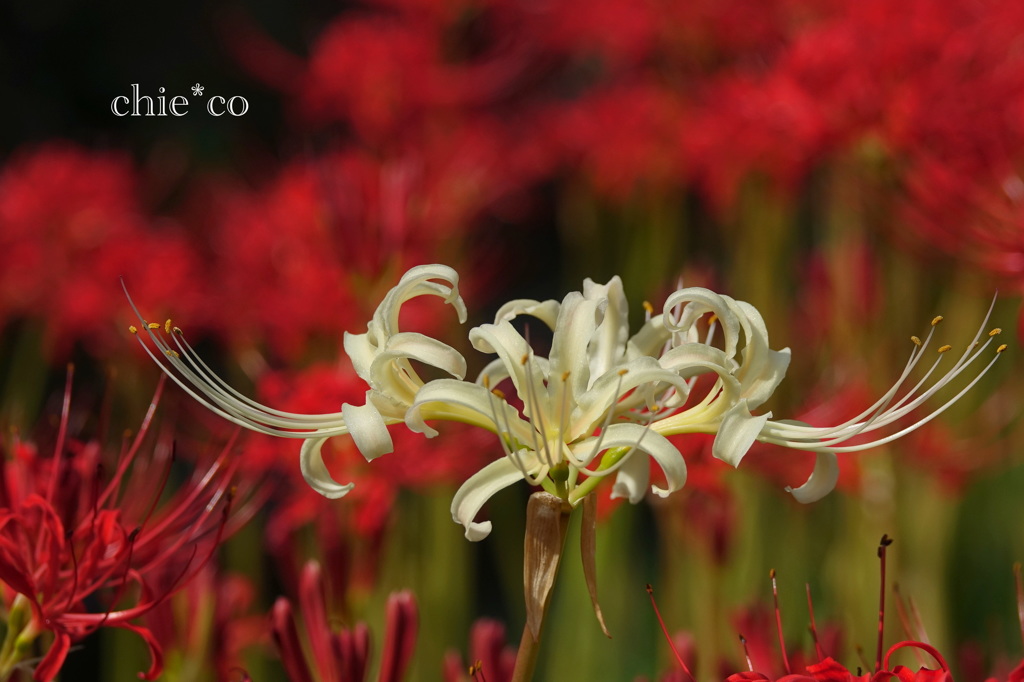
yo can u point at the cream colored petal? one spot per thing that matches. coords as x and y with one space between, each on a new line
475 492
642 439
822 480
545 311
419 281
512 349
311 462
594 404
390 371
368 430
570 346
697 301
650 340
632 480
462 401
738 431
608 346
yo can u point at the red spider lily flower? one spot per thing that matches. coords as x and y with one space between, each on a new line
72 224
818 667
72 537
208 624
493 660
343 656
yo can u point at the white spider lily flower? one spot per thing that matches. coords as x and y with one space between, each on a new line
601 392
586 410
381 357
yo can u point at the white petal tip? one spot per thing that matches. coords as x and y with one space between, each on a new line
475 532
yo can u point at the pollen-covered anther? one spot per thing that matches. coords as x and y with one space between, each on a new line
943 349
916 340
133 329
525 359
1002 348
936 320
497 393
623 372
648 307
153 325
173 353
995 332
177 330
167 326
565 376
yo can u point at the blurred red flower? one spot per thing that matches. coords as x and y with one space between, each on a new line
73 536
71 225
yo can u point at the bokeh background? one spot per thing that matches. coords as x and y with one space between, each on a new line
852 169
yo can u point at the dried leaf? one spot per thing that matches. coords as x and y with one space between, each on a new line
546 523
588 549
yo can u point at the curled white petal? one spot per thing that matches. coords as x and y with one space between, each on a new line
461 401
311 462
822 480
738 431
545 311
609 342
475 492
368 430
632 480
641 439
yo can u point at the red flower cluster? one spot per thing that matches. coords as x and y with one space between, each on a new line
764 666
342 656
73 536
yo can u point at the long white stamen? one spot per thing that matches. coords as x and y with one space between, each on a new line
883 413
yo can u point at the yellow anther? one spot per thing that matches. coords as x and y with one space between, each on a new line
713 319
486 381
177 330
153 325
565 376
498 393
936 320
172 353
917 341
133 329
943 349
623 372
1002 348
526 359
995 332
648 307
167 326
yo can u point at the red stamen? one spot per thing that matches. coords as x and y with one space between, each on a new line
882 545
664 630
74 572
814 628
746 653
1020 597
778 623
901 610
127 457
908 628
62 432
163 483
